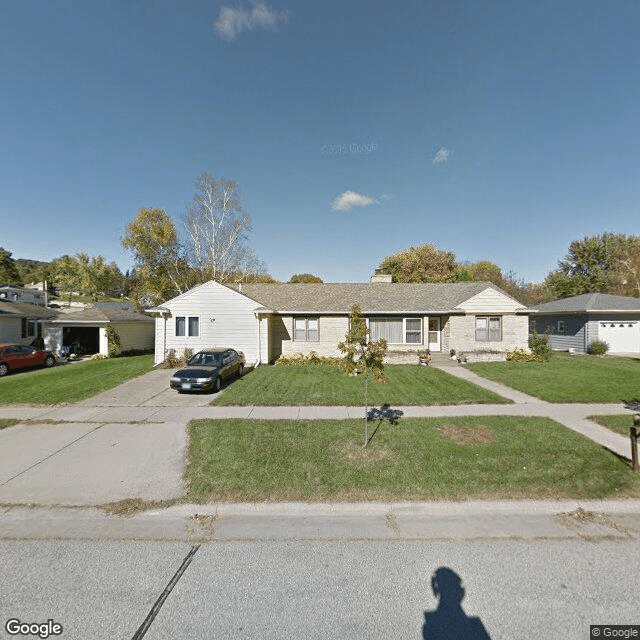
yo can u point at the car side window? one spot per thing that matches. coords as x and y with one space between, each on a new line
28 350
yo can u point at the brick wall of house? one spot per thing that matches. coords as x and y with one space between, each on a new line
461 334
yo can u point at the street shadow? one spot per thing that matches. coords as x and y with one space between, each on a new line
449 621
385 412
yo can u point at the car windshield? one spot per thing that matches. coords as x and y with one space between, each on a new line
206 359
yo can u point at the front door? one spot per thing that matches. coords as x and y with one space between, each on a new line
434 334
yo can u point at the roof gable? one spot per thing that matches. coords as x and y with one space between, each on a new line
491 298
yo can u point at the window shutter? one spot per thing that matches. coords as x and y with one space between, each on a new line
24 328
39 325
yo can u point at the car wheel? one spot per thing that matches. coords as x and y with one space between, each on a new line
217 383
4 369
241 371
49 361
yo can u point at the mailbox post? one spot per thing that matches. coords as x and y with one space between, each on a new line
634 431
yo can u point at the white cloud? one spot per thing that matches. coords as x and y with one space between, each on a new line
232 22
442 156
350 199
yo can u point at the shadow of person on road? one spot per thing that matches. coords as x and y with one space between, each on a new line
449 621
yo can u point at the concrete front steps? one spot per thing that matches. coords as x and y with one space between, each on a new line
438 358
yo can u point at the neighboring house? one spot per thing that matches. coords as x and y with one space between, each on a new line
21 322
574 323
267 320
89 328
22 294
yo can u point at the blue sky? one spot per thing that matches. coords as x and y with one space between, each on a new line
498 130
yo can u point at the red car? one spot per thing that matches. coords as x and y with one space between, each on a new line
13 356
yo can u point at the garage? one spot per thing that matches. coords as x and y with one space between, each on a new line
622 336
572 324
86 338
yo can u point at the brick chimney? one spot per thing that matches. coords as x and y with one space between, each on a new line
379 276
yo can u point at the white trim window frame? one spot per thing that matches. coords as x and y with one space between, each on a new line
187 326
193 326
306 329
560 327
408 329
488 328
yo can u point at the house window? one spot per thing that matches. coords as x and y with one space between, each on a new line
31 328
488 328
193 326
305 329
560 327
396 330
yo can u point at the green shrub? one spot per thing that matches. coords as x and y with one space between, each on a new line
99 356
538 344
597 348
113 341
188 354
523 355
309 358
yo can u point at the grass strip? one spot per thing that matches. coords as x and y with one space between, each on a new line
493 457
7 422
618 423
71 382
566 378
327 385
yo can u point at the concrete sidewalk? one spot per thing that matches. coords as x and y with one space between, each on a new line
94 458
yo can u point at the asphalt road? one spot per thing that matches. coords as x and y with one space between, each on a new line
517 589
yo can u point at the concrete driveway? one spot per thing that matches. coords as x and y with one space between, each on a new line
106 448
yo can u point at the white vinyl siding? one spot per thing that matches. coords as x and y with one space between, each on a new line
396 330
226 319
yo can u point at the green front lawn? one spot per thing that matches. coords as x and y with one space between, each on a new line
566 378
70 382
419 459
618 423
321 384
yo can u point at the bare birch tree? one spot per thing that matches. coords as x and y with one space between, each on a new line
218 228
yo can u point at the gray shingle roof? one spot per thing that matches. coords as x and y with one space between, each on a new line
590 302
379 297
96 314
25 310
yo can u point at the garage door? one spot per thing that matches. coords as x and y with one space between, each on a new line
622 337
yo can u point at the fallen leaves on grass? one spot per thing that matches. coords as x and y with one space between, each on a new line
460 434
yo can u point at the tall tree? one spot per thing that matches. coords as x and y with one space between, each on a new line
87 276
218 229
421 264
161 272
8 270
606 263
305 277
360 354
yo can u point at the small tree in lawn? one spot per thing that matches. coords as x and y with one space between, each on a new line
364 356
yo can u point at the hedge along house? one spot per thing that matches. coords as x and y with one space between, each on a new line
574 323
21 323
89 328
267 320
